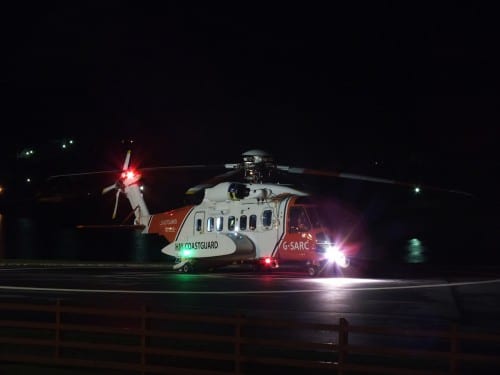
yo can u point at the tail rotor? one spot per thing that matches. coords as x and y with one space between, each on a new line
109 188
116 203
118 185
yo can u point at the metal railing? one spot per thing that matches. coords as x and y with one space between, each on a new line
144 341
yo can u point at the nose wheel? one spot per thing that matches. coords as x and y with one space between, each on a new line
312 270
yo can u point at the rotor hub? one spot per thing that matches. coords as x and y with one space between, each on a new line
258 165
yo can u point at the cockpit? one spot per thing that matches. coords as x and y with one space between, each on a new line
304 216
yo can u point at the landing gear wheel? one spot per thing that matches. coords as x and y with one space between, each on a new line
312 270
187 268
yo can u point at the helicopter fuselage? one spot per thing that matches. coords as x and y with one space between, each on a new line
264 225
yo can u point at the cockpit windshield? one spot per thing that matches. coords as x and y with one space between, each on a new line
304 217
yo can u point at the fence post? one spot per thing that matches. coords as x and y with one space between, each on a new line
57 350
454 348
343 342
144 325
237 344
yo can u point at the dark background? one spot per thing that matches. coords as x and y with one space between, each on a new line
392 89
405 91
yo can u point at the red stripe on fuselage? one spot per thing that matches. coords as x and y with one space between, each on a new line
168 224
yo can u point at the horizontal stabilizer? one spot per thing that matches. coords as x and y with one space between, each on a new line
111 226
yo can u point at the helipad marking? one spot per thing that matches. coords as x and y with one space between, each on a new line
295 291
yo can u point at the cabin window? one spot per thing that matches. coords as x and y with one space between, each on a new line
231 222
253 222
199 225
219 223
243 222
210 224
267 217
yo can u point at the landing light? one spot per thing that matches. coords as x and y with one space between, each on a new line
335 255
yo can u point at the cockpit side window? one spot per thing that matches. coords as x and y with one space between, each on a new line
299 222
314 216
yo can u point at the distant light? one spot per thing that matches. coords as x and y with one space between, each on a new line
66 143
415 251
28 180
26 153
416 190
1 189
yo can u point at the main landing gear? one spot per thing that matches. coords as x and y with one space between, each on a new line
183 266
186 268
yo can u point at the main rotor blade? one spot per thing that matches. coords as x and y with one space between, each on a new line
352 176
181 167
211 182
114 171
159 168
195 189
117 171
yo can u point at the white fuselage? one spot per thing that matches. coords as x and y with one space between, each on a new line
224 226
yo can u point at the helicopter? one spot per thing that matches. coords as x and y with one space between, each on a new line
252 221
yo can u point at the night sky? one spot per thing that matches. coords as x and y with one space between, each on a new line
384 88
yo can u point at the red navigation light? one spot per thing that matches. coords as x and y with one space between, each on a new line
268 262
128 174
